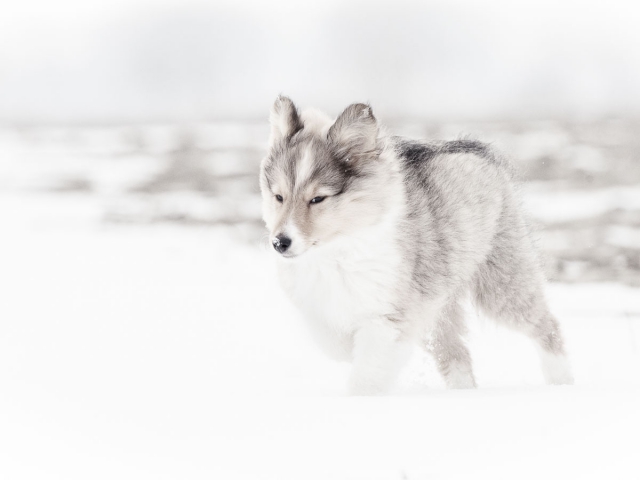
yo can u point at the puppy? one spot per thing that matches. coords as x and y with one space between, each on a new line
379 238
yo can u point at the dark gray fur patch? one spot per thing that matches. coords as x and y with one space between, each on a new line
415 153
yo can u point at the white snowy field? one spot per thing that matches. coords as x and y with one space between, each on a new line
165 352
143 334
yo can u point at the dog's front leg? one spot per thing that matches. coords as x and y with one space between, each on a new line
377 357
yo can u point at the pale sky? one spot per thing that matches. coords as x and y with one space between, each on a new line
132 60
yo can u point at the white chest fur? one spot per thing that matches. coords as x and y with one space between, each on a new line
353 281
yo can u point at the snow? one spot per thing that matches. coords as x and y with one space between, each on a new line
164 352
161 350
623 236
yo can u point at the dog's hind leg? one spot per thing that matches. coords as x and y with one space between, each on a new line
448 348
510 289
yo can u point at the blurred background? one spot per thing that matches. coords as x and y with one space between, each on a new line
141 112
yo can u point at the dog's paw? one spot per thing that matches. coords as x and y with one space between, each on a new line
556 369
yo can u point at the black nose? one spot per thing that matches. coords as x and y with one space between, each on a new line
281 243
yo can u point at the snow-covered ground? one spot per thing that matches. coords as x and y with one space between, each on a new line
141 348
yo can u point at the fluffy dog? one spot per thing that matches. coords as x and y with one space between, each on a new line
379 238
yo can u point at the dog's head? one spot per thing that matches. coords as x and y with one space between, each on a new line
318 180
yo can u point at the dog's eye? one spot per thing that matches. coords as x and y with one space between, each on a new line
317 200
279 198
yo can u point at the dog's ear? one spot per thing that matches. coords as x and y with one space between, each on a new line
354 134
284 118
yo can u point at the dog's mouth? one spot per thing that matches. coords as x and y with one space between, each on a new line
291 255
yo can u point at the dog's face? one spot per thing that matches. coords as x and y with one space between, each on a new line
314 177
